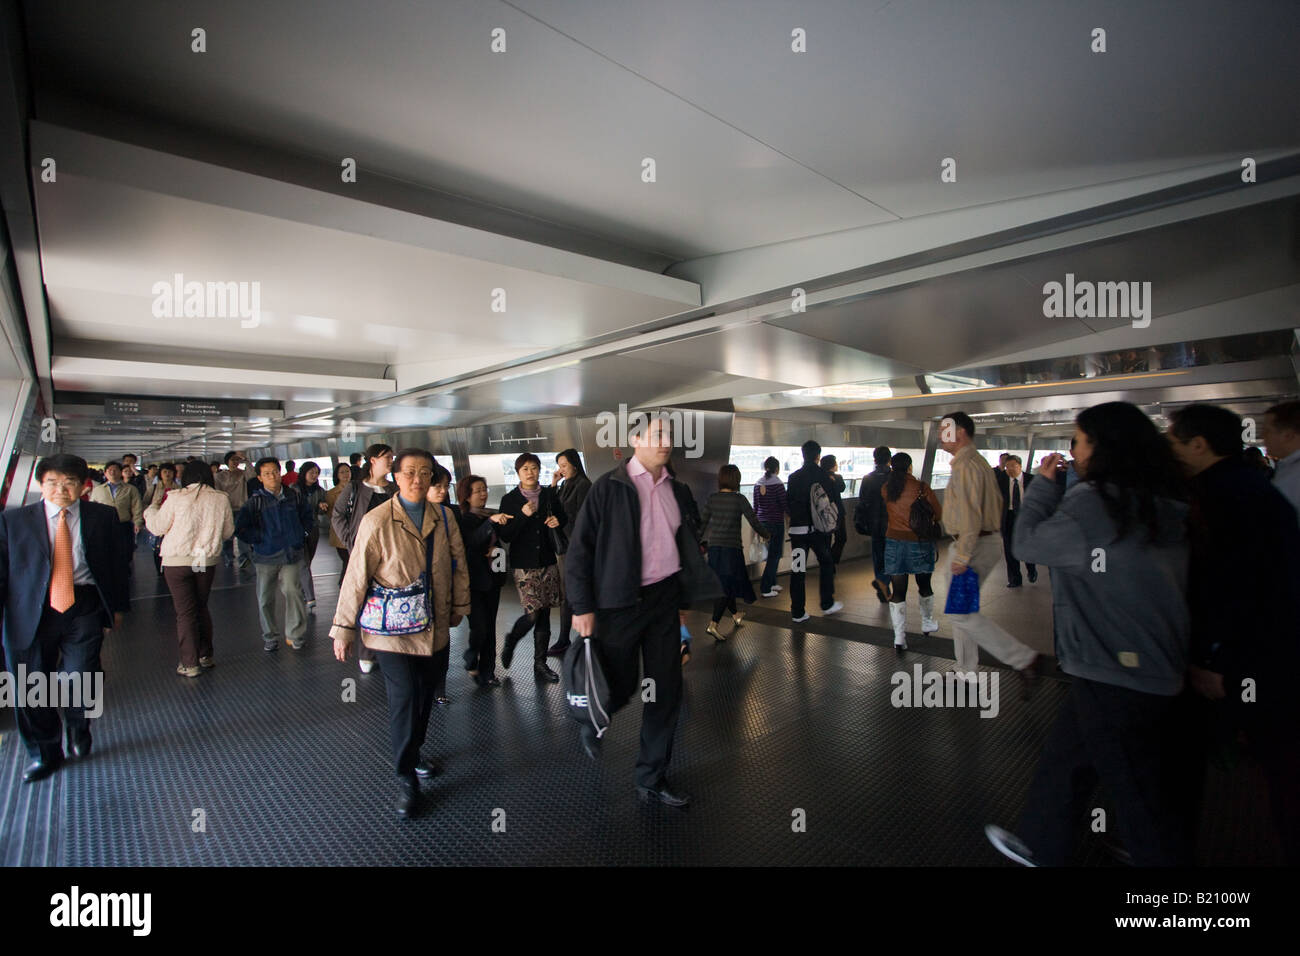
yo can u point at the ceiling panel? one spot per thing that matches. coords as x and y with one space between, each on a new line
1009 88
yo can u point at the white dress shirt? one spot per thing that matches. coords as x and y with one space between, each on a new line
80 569
1018 480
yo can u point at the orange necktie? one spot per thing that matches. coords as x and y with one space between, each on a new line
62 595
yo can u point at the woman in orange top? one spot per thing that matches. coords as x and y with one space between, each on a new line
905 553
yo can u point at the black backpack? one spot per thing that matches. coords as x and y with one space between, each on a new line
921 519
585 687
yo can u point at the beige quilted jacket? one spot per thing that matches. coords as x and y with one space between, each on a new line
195 521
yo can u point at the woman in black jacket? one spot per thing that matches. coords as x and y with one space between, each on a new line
535 512
479 528
311 491
573 492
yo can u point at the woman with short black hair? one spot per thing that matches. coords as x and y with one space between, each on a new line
535 513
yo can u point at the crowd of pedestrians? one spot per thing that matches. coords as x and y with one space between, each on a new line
1169 648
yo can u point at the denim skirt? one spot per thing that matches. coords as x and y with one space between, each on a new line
909 557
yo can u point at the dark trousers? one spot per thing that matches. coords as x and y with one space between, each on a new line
1121 738
647 630
817 543
1207 726
66 643
878 557
775 547
481 655
723 604
540 622
193 621
838 539
1013 564
410 682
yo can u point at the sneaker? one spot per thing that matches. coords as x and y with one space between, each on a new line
311 605
207 662
777 587
738 619
834 608
801 618
367 666
270 644
1009 845
771 593
296 645
188 671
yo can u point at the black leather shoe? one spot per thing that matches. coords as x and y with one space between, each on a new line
426 769
663 795
558 650
542 672
81 745
1013 584
492 681
407 797
1033 577
590 742
40 769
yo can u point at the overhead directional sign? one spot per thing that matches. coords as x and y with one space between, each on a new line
174 408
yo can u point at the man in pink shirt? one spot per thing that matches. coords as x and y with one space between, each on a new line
632 564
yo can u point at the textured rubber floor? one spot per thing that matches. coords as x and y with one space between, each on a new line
261 761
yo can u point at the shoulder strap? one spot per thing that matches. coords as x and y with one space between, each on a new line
353 493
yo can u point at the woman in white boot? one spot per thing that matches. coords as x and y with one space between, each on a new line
905 553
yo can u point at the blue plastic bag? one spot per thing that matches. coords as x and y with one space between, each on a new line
963 593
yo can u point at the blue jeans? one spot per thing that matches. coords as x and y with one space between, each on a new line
775 548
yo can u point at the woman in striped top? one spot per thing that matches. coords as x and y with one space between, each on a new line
720 520
771 508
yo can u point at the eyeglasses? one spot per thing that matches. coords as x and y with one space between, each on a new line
424 473
54 484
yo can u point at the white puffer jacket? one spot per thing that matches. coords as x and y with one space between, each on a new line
195 522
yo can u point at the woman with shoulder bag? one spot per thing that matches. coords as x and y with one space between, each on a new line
906 551
406 586
536 513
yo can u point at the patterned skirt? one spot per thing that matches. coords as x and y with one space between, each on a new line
538 587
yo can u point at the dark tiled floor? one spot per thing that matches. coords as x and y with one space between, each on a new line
264 753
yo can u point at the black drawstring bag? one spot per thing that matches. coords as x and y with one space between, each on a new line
559 537
585 687
922 521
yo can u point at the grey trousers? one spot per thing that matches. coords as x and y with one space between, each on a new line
295 613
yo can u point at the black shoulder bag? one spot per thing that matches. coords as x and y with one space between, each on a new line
559 537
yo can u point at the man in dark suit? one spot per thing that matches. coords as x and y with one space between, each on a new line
1013 481
62 585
